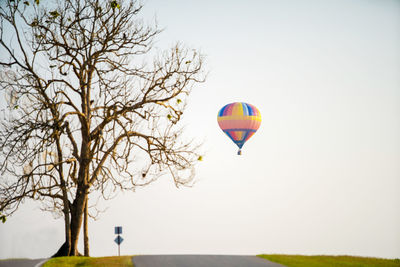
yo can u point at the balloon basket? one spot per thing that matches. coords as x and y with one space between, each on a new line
239 152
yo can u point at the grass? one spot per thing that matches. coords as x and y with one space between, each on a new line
123 261
330 261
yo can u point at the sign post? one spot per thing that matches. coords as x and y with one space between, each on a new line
118 239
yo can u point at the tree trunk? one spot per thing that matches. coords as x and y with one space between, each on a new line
76 220
85 229
65 249
67 233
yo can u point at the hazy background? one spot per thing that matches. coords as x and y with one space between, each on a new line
321 175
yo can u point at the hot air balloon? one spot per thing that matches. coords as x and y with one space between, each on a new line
239 121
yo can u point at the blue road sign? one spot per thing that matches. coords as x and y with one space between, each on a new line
118 239
118 230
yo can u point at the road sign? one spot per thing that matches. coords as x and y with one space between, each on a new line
118 230
118 239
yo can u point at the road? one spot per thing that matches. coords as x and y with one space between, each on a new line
21 263
201 261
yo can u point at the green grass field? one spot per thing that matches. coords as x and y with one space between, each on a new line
330 261
123 261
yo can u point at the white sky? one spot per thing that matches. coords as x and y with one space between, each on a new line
321 175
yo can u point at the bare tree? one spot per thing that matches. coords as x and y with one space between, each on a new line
87 112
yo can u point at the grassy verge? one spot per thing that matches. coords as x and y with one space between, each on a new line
123 261
330 261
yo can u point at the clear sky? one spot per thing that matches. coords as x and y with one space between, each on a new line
321 175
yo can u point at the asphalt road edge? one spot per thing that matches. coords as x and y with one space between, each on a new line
41 263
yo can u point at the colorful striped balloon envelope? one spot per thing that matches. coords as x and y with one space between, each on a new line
239 121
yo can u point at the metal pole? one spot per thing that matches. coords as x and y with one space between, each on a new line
118 251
